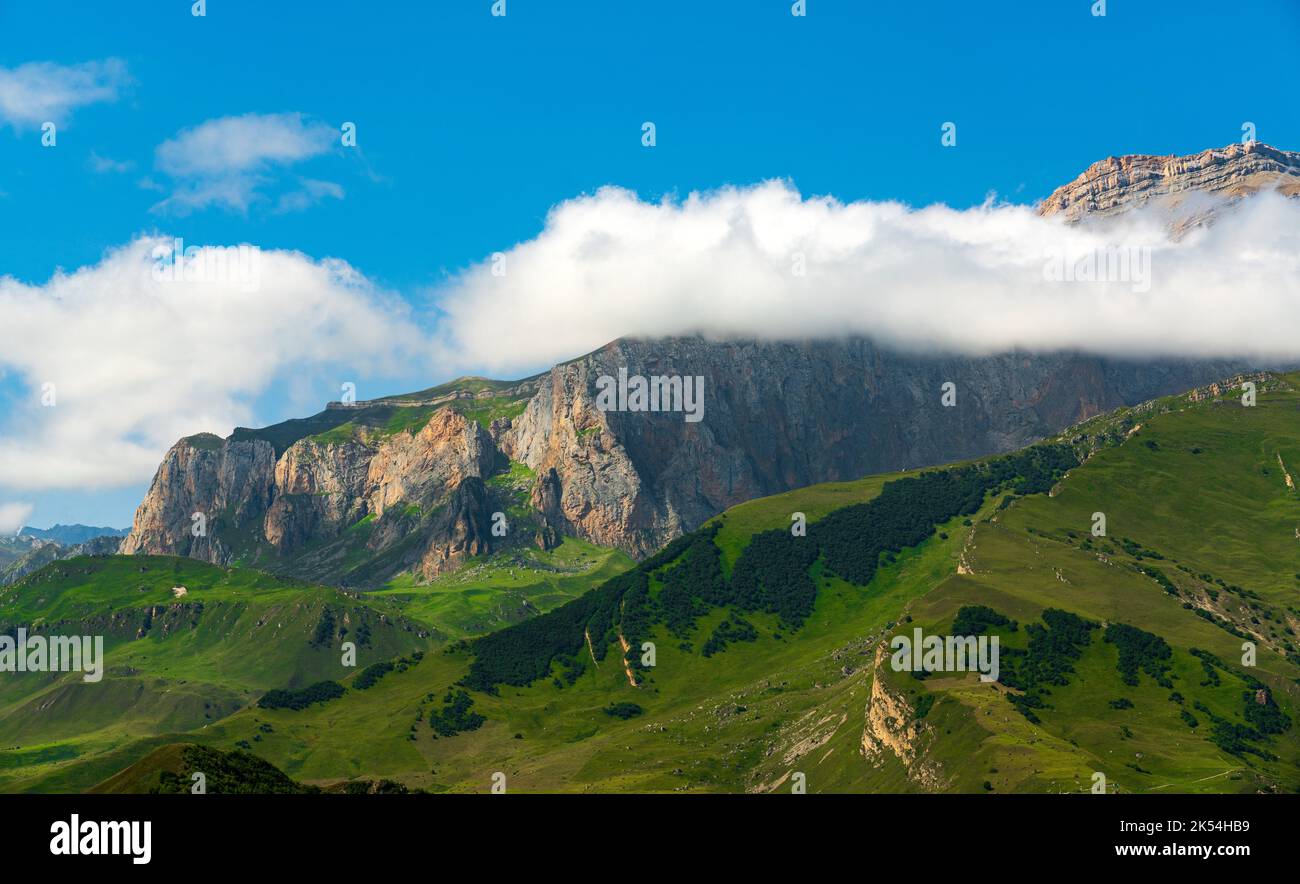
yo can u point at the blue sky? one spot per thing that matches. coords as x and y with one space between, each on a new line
471 127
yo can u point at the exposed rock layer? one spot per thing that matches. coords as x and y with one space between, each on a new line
783 415
1190 187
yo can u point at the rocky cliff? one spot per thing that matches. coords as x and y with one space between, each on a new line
1189 188
779 415
363 501
358 494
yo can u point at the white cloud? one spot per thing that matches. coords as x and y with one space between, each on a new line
34 93
228 162
13 517
309 193
970 281
105 165
138 361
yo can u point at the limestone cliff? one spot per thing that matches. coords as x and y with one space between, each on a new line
780 415
361 502
1189 188
326 501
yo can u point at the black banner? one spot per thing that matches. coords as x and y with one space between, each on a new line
331 833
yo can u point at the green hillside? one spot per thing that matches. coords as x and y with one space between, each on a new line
174 661
1121 655
402 413
177 663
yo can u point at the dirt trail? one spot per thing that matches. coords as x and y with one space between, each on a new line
627 669
631 679
590 649
1201 780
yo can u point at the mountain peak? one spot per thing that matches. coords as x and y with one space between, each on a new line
1120 183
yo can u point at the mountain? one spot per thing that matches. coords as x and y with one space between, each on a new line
422 483
415 484
71 535
1122 653
361 493
747 656
28 554
1188 188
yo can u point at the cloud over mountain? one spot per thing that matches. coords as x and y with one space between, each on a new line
765 261
13 516
119 359
137 361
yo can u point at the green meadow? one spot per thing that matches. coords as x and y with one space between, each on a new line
1200 555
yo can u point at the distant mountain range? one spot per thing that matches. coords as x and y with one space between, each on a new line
33 548
72 534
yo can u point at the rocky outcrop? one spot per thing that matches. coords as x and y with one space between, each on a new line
893 729
203 480
545 498
1190 188
461 530
280 511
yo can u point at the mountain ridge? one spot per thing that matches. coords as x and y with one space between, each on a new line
1120 184
778 415
364 491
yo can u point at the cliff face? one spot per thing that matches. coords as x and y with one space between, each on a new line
1189 187
782 415
775 416
231 481
291 511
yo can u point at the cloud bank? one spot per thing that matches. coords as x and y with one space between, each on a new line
763 261
137 358
119 360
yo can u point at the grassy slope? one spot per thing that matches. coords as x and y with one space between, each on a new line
253 634
1225 511
234 635
795 701
567 742
504 588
